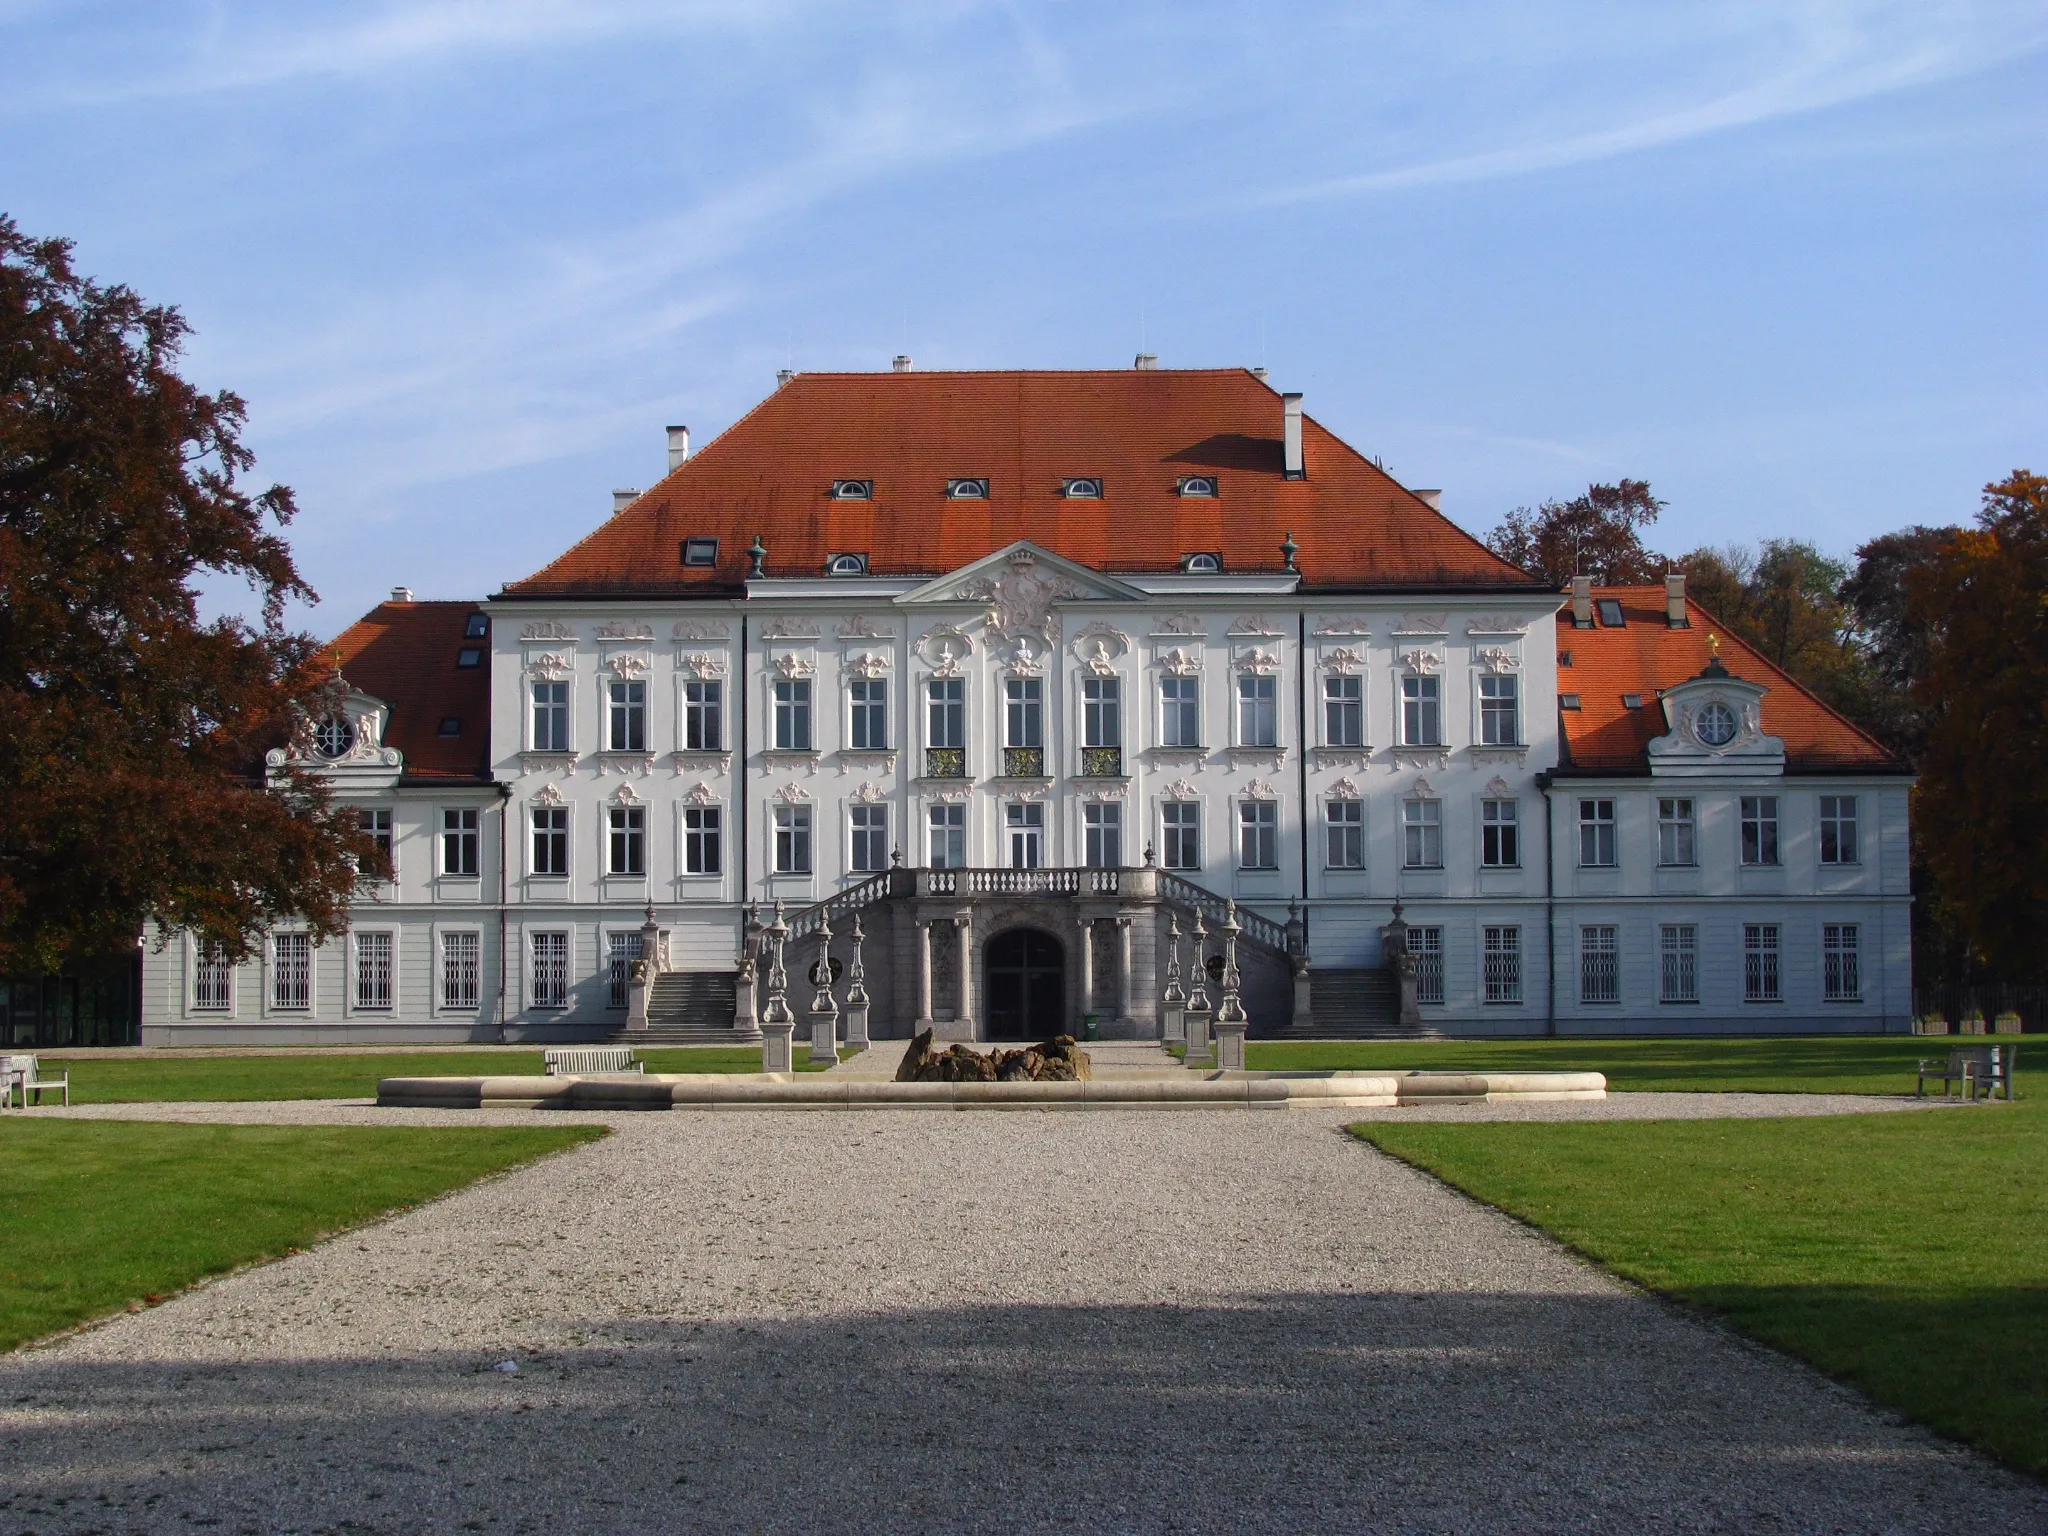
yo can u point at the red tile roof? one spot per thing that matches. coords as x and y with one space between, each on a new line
404 654
1139 430
1646 655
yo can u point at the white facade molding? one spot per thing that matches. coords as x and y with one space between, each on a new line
1180 789
790 664
945 649
788 628
701 665
701 793
866 664
1177 624
793 794
546 629
701 762
1343 661
1255 624
1258 661
550 667
1342 625
861 627
868 794
1493 624
626 629
1180 662
1422 660
1422 624
1498 659
549 794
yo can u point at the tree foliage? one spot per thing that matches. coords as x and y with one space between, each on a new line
1597 534
131 732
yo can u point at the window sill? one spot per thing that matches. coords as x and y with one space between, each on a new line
626 765
1438 758
789 757
883 758
546 762
1342 757
701 758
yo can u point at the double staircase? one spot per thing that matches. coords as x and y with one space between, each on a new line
1362 1003
686 1008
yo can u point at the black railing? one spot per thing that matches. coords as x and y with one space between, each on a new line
1990 999
1102 762
945 762
1024 762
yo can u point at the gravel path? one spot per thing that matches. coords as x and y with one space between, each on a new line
898 1321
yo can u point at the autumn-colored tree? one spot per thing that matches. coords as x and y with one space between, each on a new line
1598 534
131 732
1982 805
1786 599
1893 642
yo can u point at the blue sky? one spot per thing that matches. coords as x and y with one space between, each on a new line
465 260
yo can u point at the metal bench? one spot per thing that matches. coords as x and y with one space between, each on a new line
591 1061
22 1074
1972 1067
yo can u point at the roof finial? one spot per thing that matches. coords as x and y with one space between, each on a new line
1289 549
1714 647
757 554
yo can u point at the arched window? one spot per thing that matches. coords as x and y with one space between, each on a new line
848 565
853 490
1082 488
333 736
967 490
1198 485
1202 564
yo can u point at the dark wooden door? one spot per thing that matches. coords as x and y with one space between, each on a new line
1027 985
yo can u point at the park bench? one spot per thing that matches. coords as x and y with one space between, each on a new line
21 1074
1972 1067
591 1061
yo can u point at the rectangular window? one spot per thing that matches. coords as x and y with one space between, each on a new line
1599 964
1422 834
704 717
1258 834
626 853
1102 825
213 978
793 714
1025 822
1023 712
1676 841
1500 834
621 950
550 983
701 852
373 972
1841 975
459 840
1258 723
1760 963
1427 946
1180 711
1102 715
550 840
550 717
626 727
1344 824
291 970
947 826
1422 711
1838 829
946 706
1344 711
1503 965
1760 829
461 969
792 839
868 832
377 823
868 700
1596 834
1500 713
1181 823
1678 953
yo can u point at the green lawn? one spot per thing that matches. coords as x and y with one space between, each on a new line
1905 1253
102 1214
317 1073
1807 1064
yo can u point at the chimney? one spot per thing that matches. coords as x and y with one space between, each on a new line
783 376
901 362
1434 500
1582 602
1674 601
1146 362
678 448
622 500
1259 374
1291 405
401 594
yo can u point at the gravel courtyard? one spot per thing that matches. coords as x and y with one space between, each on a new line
1117 1321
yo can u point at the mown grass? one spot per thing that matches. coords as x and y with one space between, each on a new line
103 1214
1904 1253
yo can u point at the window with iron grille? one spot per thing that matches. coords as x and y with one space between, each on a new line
377 823
1426 944
1344 824
1599 964
1258 722
1102 827
1258 828
1838 829
461 968
1841 975
551 840
947 829
1344 711
1422 834
1024 820
621 950
1422 711
704 716
792 839
213 978
1760 963
868 833
1677 843
549 986
626 729
1181 824
627 850
1180 711
459 840
1760 829
1678 954
793 714
373 972
1500 713
1502 956
1596 834
551 717
291 970
701 828
1500 834
868 699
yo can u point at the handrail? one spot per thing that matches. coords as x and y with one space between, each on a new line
1019 882
853 899
1260 930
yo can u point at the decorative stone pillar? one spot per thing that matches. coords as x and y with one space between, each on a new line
856 993
643 972
924 975
1302 1014
1087 928
963 1016
1173 1001
1197 1015
1123 973
1231 1023
824 1007
777 1023
1394 945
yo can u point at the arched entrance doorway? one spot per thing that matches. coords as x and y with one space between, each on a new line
1026 974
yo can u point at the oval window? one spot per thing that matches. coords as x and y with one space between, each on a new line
333 737
1715 725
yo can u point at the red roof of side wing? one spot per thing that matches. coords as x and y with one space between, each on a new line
407 654
1139 431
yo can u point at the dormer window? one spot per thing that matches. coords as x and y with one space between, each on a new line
847 565
333 736
1568 701
700 552
1081 488
470 656
1631 701
1715 725
451 725
1198 485
853 490
1204 564
1610 612
967 490
477 628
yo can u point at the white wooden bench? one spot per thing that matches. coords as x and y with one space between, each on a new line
591 1061
22 1074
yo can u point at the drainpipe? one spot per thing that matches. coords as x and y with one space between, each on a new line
504 895
1549 908
1301 752
742 684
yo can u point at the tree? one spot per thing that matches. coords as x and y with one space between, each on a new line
131 733
1597 534
1981 604
1893 641
1786 600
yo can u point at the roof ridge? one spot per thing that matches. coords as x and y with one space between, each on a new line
1754 654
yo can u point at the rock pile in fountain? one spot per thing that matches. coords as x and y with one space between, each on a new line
1058 1060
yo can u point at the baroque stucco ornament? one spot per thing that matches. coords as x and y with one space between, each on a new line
789 664
1020 600
945 649
626 629
1180 789
547 629
702 665
700 629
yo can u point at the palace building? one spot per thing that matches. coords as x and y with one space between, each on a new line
1011 690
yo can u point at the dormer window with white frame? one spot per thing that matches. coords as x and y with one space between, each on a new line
971 488
1082 488
700 552
847 565
334 736
1197 485
1202 563
853 490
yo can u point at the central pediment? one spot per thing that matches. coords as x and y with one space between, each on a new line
1019 585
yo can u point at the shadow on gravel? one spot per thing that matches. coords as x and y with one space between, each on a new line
1288 1413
